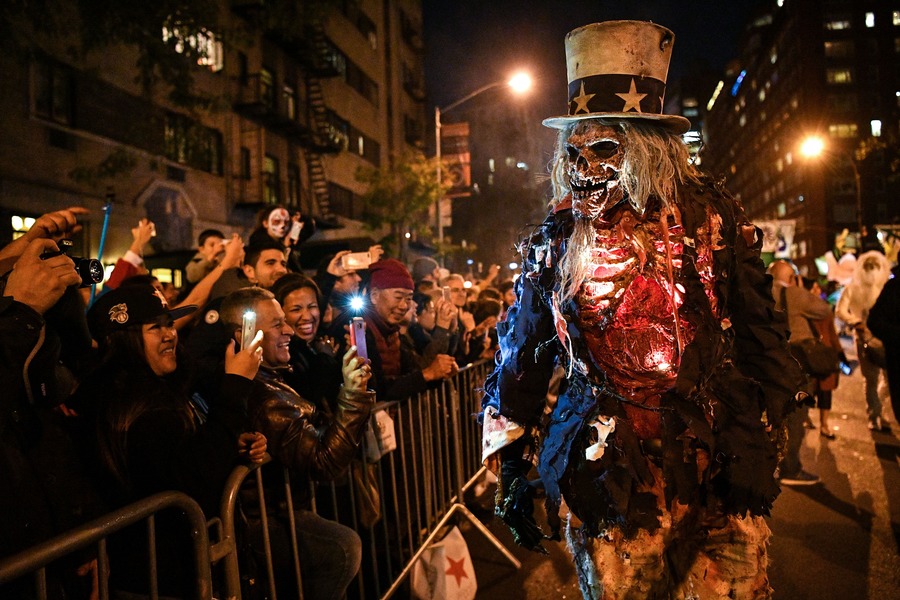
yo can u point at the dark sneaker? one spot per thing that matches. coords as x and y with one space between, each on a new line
800 478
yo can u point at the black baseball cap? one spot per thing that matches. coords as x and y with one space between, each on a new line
128 306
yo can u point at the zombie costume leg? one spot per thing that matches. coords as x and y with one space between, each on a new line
645 284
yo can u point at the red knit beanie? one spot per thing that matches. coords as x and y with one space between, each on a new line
389 273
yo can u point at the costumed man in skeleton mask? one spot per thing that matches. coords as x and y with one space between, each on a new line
645 285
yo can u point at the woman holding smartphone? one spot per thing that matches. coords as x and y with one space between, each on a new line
152 431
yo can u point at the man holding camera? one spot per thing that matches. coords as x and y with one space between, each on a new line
43 329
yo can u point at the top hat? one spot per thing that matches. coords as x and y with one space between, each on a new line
617 70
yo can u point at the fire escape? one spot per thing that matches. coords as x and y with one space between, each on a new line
259 101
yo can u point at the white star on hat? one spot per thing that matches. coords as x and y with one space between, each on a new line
632 99
582 100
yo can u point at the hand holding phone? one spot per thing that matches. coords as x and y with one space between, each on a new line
248 328
446 294
354 261
358 337
296 228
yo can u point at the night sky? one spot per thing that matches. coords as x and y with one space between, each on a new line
470 43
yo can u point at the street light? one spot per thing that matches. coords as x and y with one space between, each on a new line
813 147
518 83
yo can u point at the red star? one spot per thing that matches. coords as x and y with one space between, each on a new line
457 569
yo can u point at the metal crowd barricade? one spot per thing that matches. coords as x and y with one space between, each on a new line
36 559
420 485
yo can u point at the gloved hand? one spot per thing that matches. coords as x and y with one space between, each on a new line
515 506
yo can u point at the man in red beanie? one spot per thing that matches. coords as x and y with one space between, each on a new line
396 375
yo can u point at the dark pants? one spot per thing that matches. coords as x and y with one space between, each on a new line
330 554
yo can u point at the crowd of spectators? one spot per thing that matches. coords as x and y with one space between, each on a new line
145 387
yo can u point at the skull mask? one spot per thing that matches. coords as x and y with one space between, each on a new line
594 157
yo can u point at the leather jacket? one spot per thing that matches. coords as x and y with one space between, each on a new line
297 435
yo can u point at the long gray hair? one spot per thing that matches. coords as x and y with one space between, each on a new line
655 162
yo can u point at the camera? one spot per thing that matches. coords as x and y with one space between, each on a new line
90 269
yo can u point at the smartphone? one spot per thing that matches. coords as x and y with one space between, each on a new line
248 328
446 294
296 227
358 336
356 260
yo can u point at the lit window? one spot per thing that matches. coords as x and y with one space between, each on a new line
202 44
837 24
762 95
870 20
773 56
743 120
876 127
779 165
789 158
839 48
290 102
839 76
842 130
896 17
20 225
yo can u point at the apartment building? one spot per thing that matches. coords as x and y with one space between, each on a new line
290 113
806 68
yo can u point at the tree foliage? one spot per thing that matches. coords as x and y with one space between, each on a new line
400 193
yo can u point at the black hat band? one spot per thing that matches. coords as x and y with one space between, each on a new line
616 94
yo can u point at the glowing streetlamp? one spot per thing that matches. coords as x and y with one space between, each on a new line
519 83
814 146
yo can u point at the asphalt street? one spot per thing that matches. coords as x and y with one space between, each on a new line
837 539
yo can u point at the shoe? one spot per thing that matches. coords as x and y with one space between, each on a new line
828 435
800 478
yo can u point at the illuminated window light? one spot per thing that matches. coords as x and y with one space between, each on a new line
875 125
870 20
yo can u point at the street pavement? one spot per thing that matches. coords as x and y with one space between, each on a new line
837 539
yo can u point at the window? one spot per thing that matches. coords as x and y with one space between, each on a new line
267 89
839 76
245 163
839 49
870 20
343 201
352 74
20 225
837 24
841 102
190 143
293 173
289 95
875 127
896 17
202 44
842 130
270 180
53 92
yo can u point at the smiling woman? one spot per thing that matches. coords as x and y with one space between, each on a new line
152 430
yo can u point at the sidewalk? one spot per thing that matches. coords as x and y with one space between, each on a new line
838 539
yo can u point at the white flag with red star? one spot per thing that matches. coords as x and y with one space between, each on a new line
445 572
